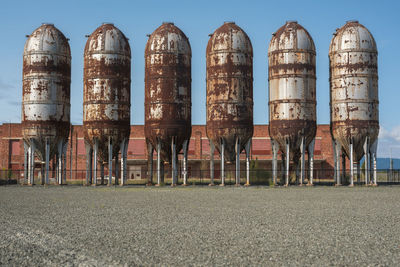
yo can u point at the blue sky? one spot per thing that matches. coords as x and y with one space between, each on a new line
197 19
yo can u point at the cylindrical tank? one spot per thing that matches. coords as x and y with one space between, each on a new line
291 76
229 88
354 87
46 88
107 88
168 88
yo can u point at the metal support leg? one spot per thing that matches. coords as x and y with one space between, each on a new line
287 163
212 149
373 150
150 151
26 162
248 146
95 150
159 171
237 150
311 162
366 159
110 161
64 171
116 181
31 164
124 152
222 162
59 163
275 148
185 161
173 158
302 160
343 167
89 159
47 161
351 164
338 149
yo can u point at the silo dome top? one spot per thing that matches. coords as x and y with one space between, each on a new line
107 39
291 36
229 37
352 36
168 38
47 39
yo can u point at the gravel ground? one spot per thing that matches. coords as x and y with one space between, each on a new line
100 226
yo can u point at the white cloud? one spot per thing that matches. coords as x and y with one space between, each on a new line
389 142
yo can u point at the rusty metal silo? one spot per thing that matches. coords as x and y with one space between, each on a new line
354 102
106 101
229 95
167 98
292 101
46 100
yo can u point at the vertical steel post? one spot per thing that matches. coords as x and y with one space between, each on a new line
212 148
287 162
311 162
302 160
173 158
275 148
351 163
110 161
158 162
59 163
338 149
47 161
117 174
185 161
124 166
335 162
222 162
150 151
237 150
95 150
366 159
26 162
373 150
248 147
64 178
343 167
89 159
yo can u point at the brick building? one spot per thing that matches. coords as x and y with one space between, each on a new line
12 151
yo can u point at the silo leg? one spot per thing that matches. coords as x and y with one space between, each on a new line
26 162
373 150
110 160
95 149
366 159
124 151
89 158
185 161
102 173
150 151
237 149
65 146
116 181
344 166
173 158
287 163
248 146
275 148
222 162
158 163
338 149
302 160
311 162
351 164
59 162
283 167
47 160
212 148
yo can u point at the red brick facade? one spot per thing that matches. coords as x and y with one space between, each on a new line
12 149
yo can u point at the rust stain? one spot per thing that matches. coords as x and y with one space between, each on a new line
107 92
168 88
229 88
